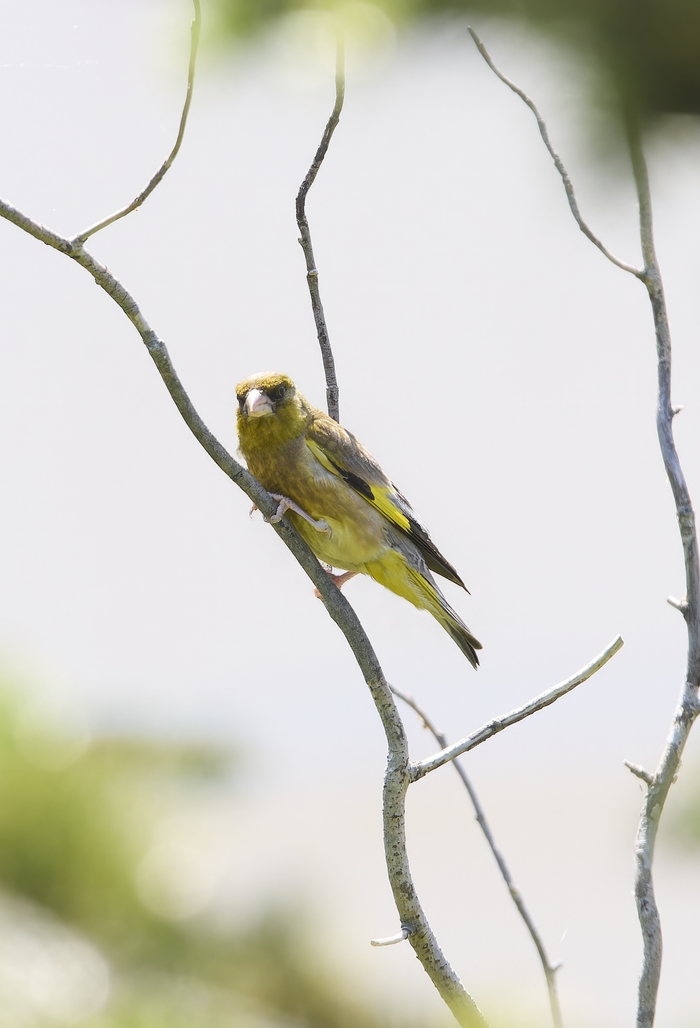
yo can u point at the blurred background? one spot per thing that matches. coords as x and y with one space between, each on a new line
190 825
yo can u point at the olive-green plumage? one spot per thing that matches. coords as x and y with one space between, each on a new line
301 453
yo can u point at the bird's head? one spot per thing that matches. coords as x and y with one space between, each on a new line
269 405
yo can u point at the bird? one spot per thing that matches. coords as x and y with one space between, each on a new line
340 501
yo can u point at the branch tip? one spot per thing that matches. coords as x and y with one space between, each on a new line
392 940
83 236
681 605
332 392
639 771
558 163
421 768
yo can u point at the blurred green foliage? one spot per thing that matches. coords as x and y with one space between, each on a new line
70 837
647 51
74 825
685 816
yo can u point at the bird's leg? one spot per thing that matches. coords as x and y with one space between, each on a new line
286 504
339 580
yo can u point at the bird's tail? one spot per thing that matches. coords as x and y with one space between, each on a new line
453 624
395 572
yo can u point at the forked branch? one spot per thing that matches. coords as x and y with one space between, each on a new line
549 969
660 782
687 709
396 781
399 772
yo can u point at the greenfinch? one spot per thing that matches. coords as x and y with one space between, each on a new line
339 499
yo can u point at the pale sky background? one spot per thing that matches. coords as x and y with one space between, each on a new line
496 364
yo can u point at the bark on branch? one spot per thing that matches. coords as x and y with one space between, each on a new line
687 709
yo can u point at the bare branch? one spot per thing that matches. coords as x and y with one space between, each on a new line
81 237
424 767
559 164
332 391
639 771
549 968
396 779
687 709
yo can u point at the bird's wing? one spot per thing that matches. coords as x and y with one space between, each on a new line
340 453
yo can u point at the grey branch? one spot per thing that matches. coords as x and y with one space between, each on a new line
559 164
396 779
687 709
549 968
424 767
81 237
332 392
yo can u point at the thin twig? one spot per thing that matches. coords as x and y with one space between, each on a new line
396 779
332 391
687 709
639 771
548 968
392 940
570 195
81 237
424 767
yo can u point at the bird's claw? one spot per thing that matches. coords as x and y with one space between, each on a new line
286 504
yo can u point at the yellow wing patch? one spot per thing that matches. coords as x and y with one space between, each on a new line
386 505
380 497
322 458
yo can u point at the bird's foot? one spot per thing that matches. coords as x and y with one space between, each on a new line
339 580
286 504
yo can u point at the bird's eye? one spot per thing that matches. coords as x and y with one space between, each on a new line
280 391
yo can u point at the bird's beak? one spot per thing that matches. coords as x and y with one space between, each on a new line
257 403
